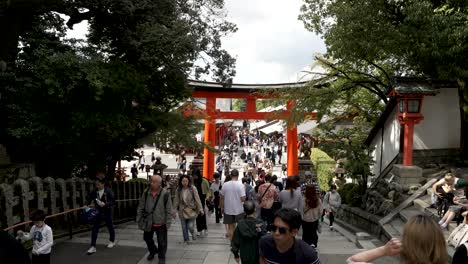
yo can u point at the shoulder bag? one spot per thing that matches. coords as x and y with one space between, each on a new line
146 219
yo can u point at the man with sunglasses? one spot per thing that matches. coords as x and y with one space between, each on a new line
282 246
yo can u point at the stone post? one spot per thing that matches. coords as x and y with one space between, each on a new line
9 201
37 186
407 175
49 186
24 196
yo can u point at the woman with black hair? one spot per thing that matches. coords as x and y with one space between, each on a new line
291 197
102 198
188 204
312 212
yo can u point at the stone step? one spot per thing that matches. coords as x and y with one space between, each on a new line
420 205
407 213
389 231
398 225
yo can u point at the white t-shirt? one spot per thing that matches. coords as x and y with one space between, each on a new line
42 237
100 193
232 192
215 186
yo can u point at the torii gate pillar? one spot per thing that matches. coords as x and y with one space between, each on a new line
210 138
291 137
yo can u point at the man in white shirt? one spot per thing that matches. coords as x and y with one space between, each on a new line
232 198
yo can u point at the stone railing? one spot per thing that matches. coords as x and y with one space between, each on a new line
19 199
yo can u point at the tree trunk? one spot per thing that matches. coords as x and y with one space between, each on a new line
110 175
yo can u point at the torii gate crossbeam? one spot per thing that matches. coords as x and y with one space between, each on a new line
212 91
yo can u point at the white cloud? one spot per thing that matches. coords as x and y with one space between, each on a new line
271 45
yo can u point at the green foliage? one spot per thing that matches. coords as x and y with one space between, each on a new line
70 103
323 166
346 143
351 194
413 38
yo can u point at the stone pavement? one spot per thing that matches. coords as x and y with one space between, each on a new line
213 249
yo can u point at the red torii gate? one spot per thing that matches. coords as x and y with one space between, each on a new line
211 91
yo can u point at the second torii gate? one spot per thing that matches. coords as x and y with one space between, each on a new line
211 91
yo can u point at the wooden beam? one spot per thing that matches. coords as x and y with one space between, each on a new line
240 94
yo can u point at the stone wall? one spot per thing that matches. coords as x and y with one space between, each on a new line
359 218
19 199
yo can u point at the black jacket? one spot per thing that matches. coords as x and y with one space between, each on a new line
107 198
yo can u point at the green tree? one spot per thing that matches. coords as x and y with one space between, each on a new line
414 37
346 143
67 103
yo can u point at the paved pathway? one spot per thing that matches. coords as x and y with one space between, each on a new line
213 249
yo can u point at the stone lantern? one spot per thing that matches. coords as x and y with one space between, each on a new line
409 93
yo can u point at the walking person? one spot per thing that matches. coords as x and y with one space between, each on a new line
134 171
232 197
279 153
215 190
101 199
331 203
281 246
154 215
291 197
142 161
267 194
188 204
203 188
312 211
246 236
42 237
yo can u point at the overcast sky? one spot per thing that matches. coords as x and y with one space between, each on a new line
271 44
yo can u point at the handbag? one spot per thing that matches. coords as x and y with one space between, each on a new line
144 221
189 212
276 206
89 215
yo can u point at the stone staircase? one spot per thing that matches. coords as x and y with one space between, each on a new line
420 205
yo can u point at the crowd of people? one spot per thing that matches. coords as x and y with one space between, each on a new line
264 218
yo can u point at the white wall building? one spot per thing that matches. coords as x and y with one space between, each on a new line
439 130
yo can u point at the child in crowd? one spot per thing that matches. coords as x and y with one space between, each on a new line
246 236
42 237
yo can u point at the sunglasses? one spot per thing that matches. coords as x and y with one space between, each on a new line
281 230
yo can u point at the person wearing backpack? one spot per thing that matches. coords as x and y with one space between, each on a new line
154 215
215 189
246 236
188 204
331 203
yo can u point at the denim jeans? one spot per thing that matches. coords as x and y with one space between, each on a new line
107 216
161 233
187 225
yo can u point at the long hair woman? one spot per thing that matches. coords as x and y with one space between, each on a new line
291 197
188 204
422 243
312 212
